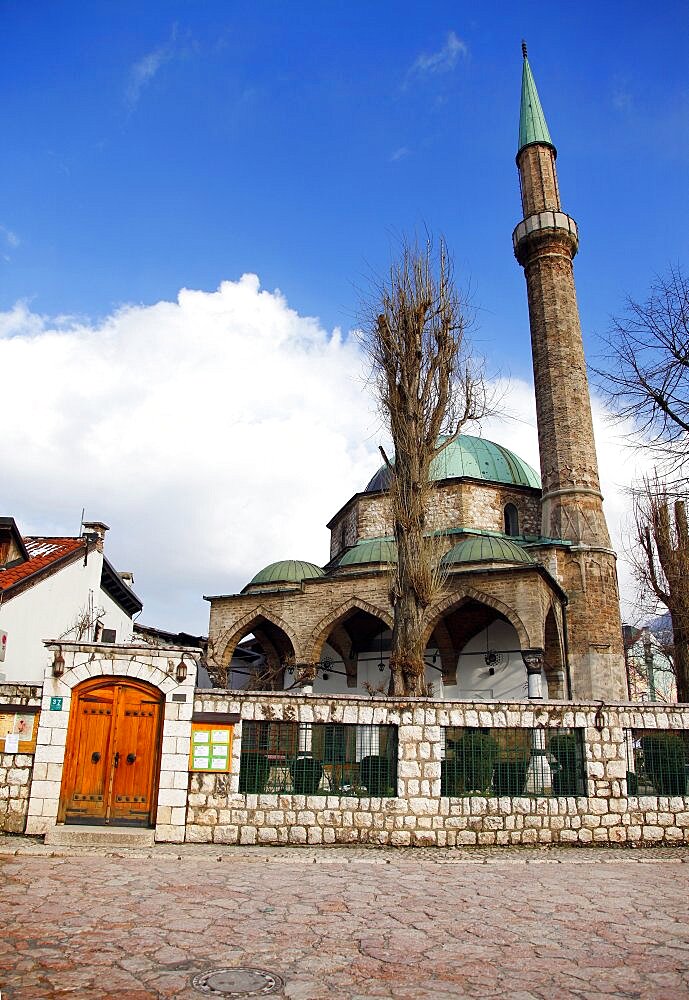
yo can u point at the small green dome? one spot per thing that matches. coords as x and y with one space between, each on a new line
485 548
474 458
287 571
374 550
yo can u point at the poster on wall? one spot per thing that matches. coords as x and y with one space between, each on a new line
17 730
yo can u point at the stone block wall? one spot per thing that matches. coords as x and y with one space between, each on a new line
16 769
217 812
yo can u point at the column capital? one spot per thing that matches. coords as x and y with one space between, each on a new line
533 660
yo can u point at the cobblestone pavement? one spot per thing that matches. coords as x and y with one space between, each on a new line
354 923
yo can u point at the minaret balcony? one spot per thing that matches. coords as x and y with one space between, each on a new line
543 222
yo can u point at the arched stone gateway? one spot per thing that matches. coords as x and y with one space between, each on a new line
107 712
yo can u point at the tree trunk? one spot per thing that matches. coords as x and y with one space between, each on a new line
410 591
680 634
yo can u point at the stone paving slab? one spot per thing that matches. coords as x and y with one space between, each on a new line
355 924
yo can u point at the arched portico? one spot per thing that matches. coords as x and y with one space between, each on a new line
273 639
479 640
354 632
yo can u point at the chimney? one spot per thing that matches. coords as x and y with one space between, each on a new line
94 531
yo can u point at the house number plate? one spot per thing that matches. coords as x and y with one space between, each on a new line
56 704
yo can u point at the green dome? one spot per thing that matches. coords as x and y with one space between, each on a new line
287 571
474 458
485 548
375 550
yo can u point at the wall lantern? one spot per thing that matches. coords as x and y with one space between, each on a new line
58 663
181 672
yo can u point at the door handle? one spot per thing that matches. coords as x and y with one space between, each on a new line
95 757
131 757
117 759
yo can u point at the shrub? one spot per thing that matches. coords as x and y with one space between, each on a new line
374 773
254 770
509 777
475 755
664 760
566 779
451 782
306 775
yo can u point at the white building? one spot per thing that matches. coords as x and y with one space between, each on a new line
58 588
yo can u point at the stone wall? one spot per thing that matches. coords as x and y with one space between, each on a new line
16 768
218 813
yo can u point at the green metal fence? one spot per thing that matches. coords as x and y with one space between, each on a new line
318 759
513 762
657 762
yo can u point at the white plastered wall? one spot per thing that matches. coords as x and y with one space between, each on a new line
145 663
48 610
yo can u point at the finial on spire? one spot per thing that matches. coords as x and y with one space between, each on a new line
523 48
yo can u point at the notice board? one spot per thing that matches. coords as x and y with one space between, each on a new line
211 747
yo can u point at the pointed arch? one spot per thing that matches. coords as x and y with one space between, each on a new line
448 653
322 630
452 601
245 625
553 654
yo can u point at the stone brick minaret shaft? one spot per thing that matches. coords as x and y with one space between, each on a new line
545 242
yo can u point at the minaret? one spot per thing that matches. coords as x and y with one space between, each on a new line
545 243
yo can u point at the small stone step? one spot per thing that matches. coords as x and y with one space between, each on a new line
99 836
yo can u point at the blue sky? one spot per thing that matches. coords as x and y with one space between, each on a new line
153 147
169 144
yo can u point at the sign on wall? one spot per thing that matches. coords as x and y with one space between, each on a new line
211 747
3 644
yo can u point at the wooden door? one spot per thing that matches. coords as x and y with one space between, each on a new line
112 754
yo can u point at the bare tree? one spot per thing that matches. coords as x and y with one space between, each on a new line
414 334
646 374
661 566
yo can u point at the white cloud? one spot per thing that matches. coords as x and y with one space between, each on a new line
399 154
146 68
10 238
215 434
442 61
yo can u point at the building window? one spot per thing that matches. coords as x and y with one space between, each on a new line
511 520
108 635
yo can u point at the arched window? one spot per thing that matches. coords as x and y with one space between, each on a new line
511 520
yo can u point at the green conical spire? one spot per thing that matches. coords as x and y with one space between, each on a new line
532 124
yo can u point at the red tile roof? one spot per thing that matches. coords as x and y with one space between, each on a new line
43 553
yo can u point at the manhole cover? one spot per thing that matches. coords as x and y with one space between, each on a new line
237 983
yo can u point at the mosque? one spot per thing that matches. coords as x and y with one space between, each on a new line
529 604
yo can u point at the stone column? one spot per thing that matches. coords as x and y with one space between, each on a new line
539 778
533 660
